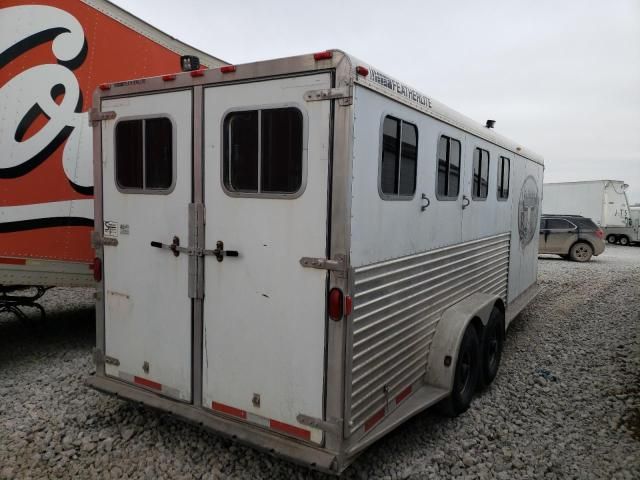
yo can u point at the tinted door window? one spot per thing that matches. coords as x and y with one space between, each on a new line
559 224
448 167
399 161
144 154
263 151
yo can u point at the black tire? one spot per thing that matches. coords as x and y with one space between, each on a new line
492 345
624 240
581 252
466 375
612 238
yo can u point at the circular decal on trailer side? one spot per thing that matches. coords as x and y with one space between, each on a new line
528 207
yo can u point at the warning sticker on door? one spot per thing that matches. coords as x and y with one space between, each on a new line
110 229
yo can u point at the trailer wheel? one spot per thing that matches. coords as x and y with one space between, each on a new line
612 238
624 240
492 344
466 375
581 252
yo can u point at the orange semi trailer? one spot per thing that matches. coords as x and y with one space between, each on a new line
53 55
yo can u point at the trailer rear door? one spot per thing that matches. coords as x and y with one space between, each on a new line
146 192
266 155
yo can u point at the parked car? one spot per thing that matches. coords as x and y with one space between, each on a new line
571 236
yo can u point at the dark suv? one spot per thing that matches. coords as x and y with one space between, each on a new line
570 236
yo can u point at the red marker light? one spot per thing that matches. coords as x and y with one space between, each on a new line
348 305
360 70
105 86
228 69
168 78
335 306
323 55
97 269
197 73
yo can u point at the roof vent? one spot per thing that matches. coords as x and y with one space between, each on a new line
490 123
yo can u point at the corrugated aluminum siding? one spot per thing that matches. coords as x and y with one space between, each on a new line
397 306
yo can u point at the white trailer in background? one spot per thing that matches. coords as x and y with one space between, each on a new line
626 235
604 201
303 253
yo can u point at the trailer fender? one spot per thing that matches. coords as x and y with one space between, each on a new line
451 327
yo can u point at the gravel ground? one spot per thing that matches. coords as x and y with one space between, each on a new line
566 403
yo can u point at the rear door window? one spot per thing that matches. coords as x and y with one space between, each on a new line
263 152
144 155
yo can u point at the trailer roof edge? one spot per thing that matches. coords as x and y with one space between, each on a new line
403 93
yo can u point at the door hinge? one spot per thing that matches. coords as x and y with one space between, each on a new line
98 240
341 93
337 264
96 116
330 426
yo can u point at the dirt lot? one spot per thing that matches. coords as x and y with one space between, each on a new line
566 403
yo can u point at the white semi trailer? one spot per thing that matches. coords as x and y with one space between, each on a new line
626 235
303 253
604 201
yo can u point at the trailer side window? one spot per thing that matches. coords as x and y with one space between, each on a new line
480 174
399 159
263 151
503 178
448 168
144 155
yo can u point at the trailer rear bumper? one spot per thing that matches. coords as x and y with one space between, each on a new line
269 442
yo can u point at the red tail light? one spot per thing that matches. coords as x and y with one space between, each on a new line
97 269
600 233
336 304
228 69
360 70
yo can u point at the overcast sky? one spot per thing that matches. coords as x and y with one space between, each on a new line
562 77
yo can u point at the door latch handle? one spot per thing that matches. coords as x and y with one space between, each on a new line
426 204
465 199
220 252
174 247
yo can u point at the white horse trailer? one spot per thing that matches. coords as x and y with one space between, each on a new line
303 253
